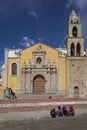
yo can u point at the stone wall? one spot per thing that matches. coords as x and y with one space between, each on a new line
76 75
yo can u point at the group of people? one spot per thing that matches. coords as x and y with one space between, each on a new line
9 93
62 111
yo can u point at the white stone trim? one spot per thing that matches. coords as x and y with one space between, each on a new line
42 104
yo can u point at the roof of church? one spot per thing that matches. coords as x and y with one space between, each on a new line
39 43
13 53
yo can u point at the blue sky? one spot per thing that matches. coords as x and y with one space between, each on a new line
25 22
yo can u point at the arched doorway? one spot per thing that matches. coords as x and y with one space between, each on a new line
39 84
76 91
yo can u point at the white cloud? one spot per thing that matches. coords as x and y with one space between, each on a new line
10 8
80 4
69 3
33 14
26 42
41 39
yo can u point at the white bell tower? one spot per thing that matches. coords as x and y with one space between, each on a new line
74 39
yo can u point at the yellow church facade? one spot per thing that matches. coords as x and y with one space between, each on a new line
41 69
38 69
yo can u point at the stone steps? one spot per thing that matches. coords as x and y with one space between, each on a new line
36 103
41 99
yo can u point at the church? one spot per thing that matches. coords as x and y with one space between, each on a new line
41 69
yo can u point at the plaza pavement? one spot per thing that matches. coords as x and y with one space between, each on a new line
36 108
35 115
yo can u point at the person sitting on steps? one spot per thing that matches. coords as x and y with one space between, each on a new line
12 94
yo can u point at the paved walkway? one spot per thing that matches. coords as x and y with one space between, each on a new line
19 116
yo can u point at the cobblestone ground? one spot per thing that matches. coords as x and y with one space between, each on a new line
66 123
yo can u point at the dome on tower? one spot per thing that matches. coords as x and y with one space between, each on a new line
73 13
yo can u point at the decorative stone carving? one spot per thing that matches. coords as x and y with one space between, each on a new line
46 68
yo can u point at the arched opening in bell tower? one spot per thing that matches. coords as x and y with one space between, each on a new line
72 49
74 31
78 49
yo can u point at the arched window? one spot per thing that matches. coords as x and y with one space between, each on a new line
78 49
74 31
39 60
76 91
14 69
72 49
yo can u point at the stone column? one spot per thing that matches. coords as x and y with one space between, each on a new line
28 81
18 75
53 81
23 80
6 68
59 78
48 85
31 86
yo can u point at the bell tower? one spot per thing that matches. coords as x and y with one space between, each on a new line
76 68
74 40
